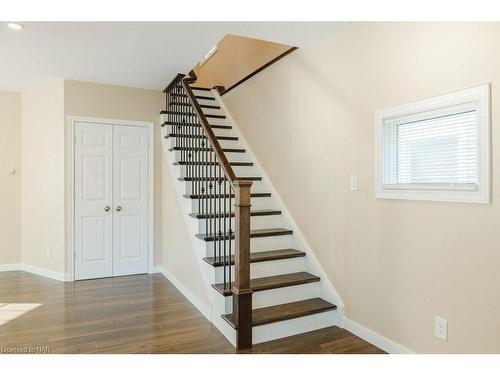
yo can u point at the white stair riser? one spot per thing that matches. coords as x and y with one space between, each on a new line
213 170
229 144
217 121
256 222
207 102
231 156
171 142
211 120
192 130
278 296
271 243
212 111
263 269
259 244
186 117
256 187
203 93
292 327
200 101
257 203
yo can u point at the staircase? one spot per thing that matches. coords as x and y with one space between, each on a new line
262 286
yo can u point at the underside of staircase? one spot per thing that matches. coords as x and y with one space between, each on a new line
285 294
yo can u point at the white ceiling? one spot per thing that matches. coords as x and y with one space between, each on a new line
136 54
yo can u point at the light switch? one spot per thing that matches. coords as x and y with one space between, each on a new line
354 182
441 328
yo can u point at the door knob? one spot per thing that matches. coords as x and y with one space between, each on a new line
118 208
107 208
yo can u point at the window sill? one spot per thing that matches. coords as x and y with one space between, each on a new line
432 187
457 196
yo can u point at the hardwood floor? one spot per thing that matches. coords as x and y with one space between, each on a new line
131 314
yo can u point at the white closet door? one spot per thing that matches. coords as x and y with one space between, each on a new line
93 200
130 192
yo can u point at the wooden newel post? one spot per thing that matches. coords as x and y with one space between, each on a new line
242 293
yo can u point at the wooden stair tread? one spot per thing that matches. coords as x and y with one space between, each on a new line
235 150
274 282
234 163
211 178
266 212
221 137
211 196
286 311
254 233
182 124
261 256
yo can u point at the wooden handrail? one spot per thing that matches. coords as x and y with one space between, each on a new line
174 82
228 170
246 78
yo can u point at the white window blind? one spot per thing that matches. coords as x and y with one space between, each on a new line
436 149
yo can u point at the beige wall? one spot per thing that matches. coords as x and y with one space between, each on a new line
396 264
10 185
236 57
45 174
42 176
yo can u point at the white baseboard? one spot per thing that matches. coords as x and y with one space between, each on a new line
10 267
375 338
43 272
35 270
204 309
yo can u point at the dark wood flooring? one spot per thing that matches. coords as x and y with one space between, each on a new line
131 314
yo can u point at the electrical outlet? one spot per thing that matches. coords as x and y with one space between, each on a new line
354 182
441 328
48 251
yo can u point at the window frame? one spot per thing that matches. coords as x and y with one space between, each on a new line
445 193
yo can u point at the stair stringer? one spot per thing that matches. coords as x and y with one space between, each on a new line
327 289
218 304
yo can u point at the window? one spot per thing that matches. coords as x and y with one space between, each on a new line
435 149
